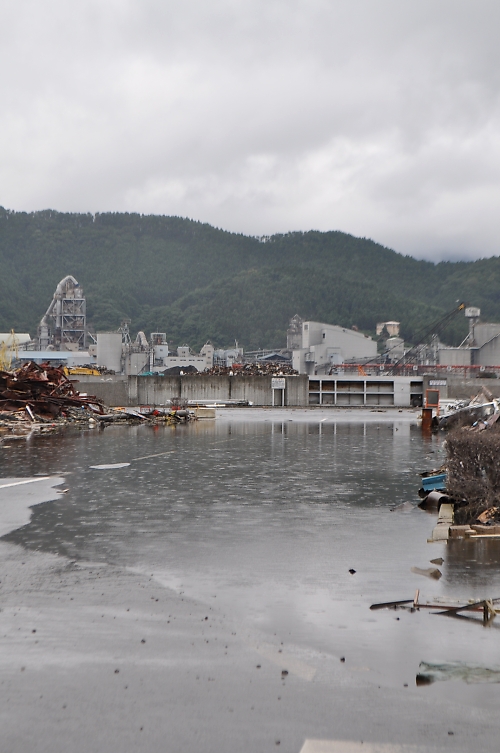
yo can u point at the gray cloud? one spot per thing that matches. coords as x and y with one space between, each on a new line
380 118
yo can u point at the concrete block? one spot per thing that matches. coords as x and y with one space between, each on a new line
482 529
459 532
446 513
441 532
205 412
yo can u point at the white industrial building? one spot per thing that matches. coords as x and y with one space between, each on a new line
184 358
116 352
228 357
317 347
480 348
394 348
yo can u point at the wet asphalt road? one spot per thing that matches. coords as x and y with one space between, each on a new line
99 659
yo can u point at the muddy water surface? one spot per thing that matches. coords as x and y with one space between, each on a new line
263 519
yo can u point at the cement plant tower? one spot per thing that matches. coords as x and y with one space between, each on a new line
64 325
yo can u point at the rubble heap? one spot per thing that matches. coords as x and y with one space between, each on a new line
260 368
42 392
42 399
474 472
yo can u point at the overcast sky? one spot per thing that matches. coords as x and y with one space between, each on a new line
380 118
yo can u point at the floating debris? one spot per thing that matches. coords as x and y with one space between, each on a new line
469 673
403 507
430 572
109 466
487 607
392 604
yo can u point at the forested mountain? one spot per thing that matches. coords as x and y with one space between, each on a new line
196 282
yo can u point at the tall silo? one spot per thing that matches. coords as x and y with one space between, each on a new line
109 351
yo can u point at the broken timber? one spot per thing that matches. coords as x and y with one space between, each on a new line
486 606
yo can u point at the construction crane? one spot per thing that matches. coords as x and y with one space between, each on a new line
435 329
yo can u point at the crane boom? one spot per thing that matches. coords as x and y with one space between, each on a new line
433 330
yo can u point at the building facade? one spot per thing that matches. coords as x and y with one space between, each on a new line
324 346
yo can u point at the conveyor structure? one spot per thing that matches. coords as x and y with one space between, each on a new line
64 324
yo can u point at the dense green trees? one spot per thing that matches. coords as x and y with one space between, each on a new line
196 282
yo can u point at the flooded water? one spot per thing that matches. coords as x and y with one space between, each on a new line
263 518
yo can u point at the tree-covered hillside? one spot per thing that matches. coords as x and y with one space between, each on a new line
196 282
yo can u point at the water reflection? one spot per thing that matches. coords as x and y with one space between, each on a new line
475 564
269 516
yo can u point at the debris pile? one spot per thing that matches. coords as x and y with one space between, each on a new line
469 482
259 368
478 413
172 415
41 398
43 393
474 473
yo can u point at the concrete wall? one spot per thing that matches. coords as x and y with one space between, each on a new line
454 356
112 390
156 390
116 391
488 354
484 332
136 362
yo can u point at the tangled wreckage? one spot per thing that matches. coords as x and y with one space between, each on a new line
42 398
42 391
466 489
480 412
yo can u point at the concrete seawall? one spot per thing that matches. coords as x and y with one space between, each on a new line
299 391
156 390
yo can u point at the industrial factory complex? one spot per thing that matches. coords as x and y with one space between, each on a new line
323 364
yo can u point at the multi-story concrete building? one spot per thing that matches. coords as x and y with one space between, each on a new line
323 346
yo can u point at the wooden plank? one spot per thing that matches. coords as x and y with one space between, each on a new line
476 606
389 604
